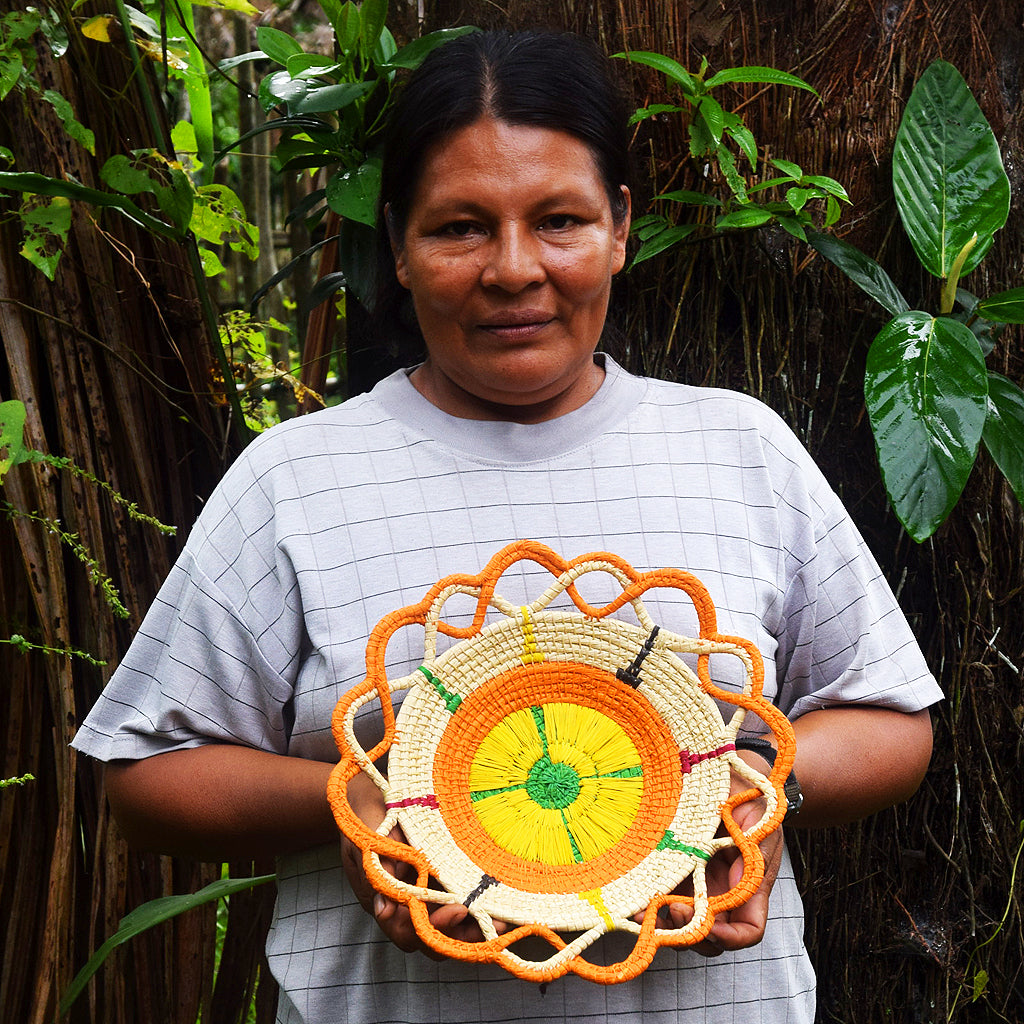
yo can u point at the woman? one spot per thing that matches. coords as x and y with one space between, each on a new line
506 212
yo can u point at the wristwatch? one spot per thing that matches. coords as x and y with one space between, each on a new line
794 795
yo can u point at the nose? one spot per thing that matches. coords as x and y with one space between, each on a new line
514 259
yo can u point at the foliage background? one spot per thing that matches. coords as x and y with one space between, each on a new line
914 915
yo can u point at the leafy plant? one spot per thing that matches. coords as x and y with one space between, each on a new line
149 915
930 397
721 141
333 111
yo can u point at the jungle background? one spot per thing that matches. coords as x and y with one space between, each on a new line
913 915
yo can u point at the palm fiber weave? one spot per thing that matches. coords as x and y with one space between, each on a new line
564 771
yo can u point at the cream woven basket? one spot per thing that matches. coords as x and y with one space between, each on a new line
564 771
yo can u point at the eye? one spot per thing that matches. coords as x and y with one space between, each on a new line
459 229
560 222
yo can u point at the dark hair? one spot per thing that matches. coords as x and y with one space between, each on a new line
546 79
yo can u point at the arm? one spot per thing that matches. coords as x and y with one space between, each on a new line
852 761
221 802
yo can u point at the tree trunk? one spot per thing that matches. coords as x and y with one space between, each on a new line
115 365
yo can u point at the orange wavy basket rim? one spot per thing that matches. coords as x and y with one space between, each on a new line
496 948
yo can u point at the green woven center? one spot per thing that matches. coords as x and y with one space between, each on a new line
552 784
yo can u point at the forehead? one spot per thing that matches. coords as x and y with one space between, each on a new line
493 158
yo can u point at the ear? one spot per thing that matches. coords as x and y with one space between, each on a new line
621 233
397 248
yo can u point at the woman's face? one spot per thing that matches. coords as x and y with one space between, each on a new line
509 251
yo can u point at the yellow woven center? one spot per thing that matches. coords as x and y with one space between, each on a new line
556 783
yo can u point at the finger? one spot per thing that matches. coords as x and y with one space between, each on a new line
395 922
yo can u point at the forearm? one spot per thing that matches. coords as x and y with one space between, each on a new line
221 802
852 761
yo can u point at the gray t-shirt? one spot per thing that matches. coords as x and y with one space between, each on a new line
328 522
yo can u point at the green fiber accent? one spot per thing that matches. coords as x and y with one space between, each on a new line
451 700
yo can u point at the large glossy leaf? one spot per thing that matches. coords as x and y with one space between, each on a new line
861 269
1004 430
353 193
926 391
1004 308
947 173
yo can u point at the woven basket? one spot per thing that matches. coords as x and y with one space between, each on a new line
560 770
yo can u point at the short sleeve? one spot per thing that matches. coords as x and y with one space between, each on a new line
843 637
215 658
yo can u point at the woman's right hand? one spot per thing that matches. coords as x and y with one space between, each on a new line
392 917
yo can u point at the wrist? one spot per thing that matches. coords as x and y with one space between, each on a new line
792 793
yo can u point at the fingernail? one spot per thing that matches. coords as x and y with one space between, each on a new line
379 903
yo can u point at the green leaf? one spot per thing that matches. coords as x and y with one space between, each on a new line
743 137
385 49
643 113
46 221
40 184
147 916
833 211
242 58
239 6
926 390
793 227
219 216
770 76
649 226
320 99
861 269
357 245
947 172
12 435
751 217
797 197
1004 430
310 65
353 194
1004 307
82 135
683 195
277 45
664 240
348 28
828 184
980 984
711 112
413 55
373 14
210 262
736 182
670 68
795 171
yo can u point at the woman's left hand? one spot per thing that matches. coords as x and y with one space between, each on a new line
743 925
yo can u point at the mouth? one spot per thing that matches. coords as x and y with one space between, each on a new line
516 323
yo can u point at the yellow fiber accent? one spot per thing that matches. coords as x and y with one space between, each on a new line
596 900
525 829
507 753
574 730
602 813
532 654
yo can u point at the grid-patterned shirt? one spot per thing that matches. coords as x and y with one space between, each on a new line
329 522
